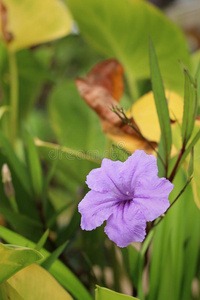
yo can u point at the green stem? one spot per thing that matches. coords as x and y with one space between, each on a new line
75 153
13 97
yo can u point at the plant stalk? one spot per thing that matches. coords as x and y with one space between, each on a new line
14 92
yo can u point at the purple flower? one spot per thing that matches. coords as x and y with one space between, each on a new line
127 195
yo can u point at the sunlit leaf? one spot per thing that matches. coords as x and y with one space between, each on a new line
14 258
145 114
26 23
58 269
7 292
34 283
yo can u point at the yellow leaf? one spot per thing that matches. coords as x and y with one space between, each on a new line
130 143
145 115
8 293
34 282
25 23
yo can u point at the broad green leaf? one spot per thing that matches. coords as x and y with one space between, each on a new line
161 103
190 108
65 277
7 292
31 75
34 283
14 258
77 130
72 119
34 166
106 294
121 29
34 22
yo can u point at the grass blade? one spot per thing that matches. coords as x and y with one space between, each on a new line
190 108
161 103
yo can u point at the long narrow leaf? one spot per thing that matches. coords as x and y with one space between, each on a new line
34 165
19 169
42 240
161 103
190 108
189 148
53 257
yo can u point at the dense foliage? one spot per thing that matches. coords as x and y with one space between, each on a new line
81 81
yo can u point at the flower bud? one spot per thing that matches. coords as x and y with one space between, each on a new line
7 181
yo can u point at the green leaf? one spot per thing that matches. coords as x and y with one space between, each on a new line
198 86
52 258
34 166
19 169
65 277
106 294
191 164
7 292
121 29
34 283
68 112
190 146
3 110
161 103
196 168
22 223
78 131
14 258
42 241
190 108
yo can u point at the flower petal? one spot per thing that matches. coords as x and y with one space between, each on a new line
152 198
126 224
138 167
106 179
95 208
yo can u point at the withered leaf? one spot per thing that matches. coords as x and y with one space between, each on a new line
102 89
